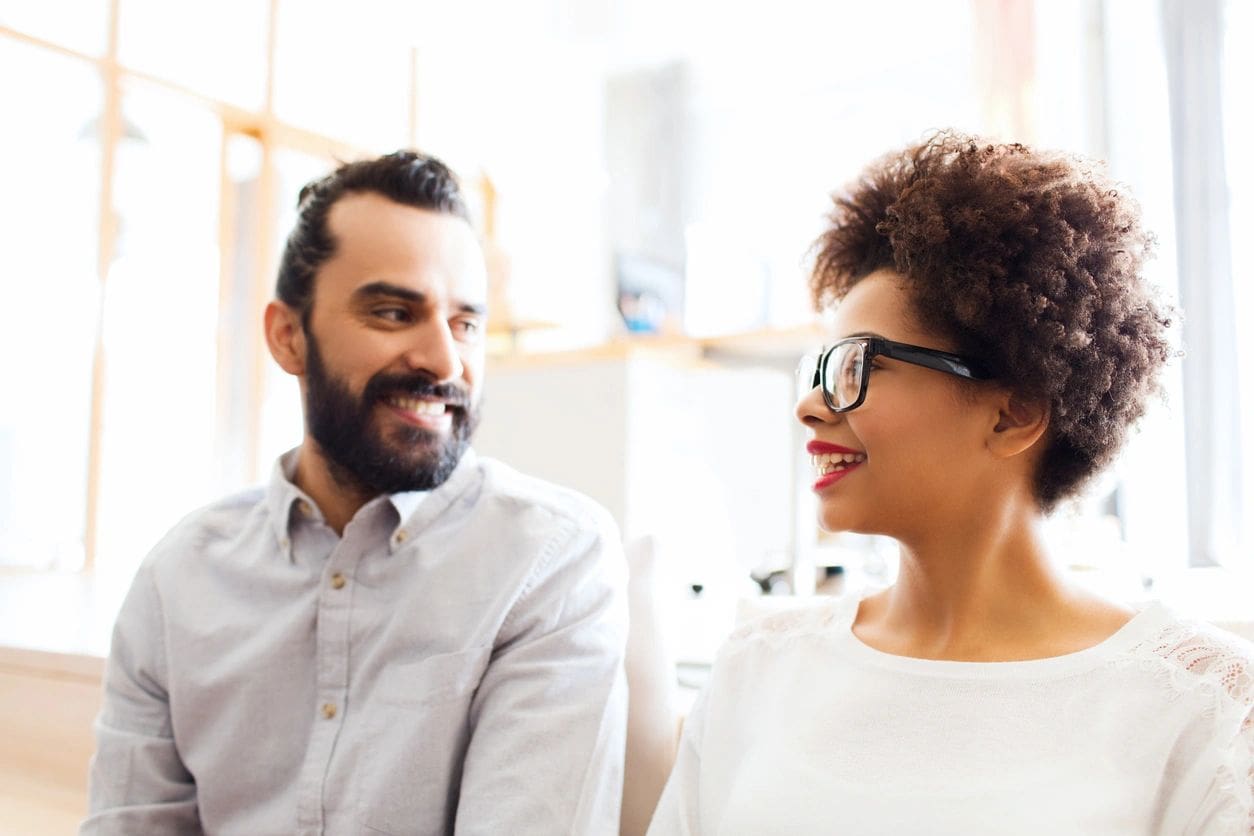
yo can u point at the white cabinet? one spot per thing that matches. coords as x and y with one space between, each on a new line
701 455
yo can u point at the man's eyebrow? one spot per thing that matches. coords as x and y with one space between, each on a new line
373 289
389 289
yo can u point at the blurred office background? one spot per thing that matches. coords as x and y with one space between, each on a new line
648 177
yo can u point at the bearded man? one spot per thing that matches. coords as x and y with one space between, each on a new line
395 636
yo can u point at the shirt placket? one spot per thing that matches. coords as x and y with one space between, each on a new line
332 638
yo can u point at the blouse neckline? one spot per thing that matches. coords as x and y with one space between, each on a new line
1148 621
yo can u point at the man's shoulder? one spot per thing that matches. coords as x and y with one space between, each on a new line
225 520
519 493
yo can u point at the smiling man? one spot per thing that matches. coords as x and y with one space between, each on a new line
396 636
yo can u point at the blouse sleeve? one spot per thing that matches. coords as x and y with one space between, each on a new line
1228 805
678 810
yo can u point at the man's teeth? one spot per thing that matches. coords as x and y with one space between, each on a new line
419 406
832 462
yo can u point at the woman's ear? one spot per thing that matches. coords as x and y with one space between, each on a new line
286 337
1020 424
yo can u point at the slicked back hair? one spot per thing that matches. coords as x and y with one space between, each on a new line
406 177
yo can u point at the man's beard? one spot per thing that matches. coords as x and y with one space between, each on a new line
364 458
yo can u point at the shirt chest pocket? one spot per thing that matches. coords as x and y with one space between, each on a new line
436 679
417 732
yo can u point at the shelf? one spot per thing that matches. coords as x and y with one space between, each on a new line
769 346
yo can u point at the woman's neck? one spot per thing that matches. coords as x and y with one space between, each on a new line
984 590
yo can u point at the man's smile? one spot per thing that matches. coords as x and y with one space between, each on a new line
430 414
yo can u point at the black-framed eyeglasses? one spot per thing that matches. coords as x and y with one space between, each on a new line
843 370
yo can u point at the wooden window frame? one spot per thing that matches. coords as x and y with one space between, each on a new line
273 135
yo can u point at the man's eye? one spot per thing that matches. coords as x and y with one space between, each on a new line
466 327
392 314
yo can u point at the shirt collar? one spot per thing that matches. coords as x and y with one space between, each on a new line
414 509
407 502
281 495
435 502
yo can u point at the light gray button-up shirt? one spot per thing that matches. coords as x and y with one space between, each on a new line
451 664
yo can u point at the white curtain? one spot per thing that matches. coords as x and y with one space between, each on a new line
1193 41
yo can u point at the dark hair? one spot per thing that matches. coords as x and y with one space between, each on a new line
1032 262
407 177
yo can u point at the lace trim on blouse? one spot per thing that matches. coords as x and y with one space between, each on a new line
788 623
1196 658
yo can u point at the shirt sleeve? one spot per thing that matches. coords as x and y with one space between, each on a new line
678 810
1228 805
549 718
138 783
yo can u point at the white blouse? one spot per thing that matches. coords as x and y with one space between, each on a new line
804 729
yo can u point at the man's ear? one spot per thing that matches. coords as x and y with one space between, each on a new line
286 337
1020 424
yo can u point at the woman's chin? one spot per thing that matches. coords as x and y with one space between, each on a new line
837 521
840 520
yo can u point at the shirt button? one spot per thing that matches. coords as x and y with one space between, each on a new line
305 507
401 536
328 710
337 581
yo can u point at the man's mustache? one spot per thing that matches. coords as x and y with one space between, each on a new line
418 386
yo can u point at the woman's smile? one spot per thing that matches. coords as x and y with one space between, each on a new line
832 462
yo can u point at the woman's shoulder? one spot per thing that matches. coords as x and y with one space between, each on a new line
792 619
1211 671
1196 657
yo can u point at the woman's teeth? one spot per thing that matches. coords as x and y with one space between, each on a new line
417 406
832 462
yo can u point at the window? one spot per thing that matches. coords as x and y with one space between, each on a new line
159 323
49 303
1238 115
133 345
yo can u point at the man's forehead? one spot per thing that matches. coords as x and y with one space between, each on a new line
377 239
361 217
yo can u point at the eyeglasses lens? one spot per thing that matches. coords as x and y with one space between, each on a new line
843 377
807 369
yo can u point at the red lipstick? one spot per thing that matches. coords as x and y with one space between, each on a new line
833 477
818 448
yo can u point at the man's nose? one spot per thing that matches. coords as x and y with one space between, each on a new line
434 352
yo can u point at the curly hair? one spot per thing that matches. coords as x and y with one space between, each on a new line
406 177
1030 261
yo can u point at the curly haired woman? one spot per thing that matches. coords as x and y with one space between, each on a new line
994 342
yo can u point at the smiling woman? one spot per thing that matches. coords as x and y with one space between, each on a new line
995 341
1047 290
